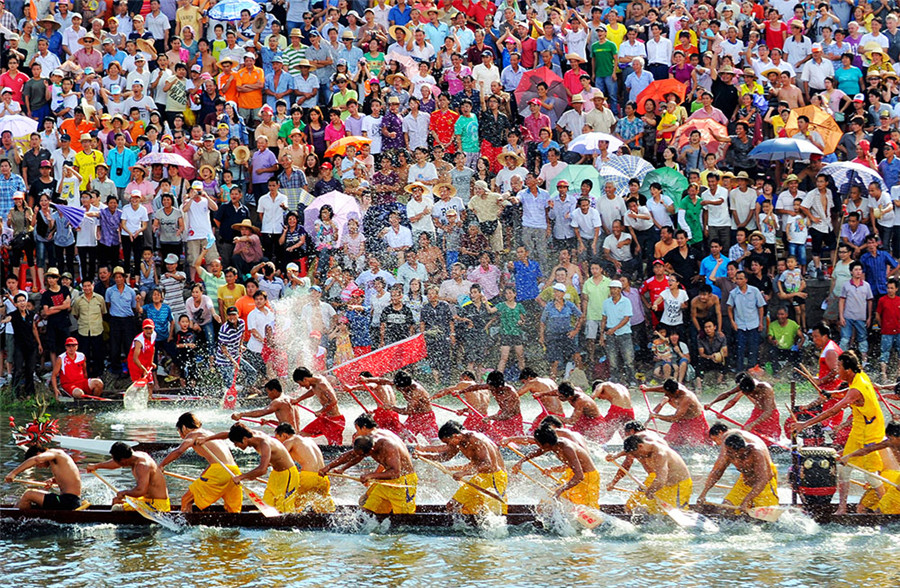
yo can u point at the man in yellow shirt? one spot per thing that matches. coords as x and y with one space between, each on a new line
87 160
250 81
188 15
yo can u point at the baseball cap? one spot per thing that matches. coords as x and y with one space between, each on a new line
327 165
358 292
196 185
316 289
232 310
559 287
148 323
171 258
859 98
615 284
136 193
293 267
46 163
71 341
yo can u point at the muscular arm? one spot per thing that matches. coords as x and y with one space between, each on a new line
714 476
348 460
265 455
762 474
142 477
853 395
176 453
577 473
723 396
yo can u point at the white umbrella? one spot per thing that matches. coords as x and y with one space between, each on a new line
589 143
20 126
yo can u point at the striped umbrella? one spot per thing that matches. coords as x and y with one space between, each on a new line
230 10
73 214
618 178
846 174
629 165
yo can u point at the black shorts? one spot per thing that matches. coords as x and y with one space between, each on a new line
55 339
61 502
822 241
510 340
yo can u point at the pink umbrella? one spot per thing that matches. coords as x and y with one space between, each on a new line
345 207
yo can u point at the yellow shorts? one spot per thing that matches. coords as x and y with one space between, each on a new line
871 501
871 462
768 497
678 495
382 499
215 483
281 491
314 492
587 492
157 504
474 502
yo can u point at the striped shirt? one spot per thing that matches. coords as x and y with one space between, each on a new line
292 58
173 293
230 338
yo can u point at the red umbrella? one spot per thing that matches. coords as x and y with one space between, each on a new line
658 91
528 89
706 126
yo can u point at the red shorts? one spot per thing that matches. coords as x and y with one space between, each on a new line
476 423
537 422
422 422
389 420
770 428
594 428
618 415
357 351
83 385
694 431
332 428
506 428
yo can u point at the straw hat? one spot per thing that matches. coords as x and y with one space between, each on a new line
145 46
245 224
773 70
409 189
390 79
241 154
49 21
507 154
574 57
118 270
89 39
789 179
877 212
872 48
439 187
140 166
226 59
51 272
392 31
305 63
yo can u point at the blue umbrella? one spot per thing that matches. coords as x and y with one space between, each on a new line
230 10
618 178
73 214
778 149
629 165
846 174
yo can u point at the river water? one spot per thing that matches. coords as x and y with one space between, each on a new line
793 552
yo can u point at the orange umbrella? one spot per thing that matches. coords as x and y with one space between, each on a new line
339 147
706 126
658 91
819 121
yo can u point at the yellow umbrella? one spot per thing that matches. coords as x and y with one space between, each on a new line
819 121
339 147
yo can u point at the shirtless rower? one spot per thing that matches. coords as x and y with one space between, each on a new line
556 424
396 468
668 478
314 491
280 404
485 467
764 419
71 367
586 418
420 418
329 421
632 427
508 420
718 432
384 396
284 481
65 475
582 478
889 503
620 410
477 399
541 389
867 426
758 483
215 481
689 426
150 487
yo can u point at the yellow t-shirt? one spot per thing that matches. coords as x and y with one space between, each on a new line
87 166
190 16
616 34
229 297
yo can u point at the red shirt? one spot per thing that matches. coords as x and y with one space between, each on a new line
442 123
889 311
655 287
15 84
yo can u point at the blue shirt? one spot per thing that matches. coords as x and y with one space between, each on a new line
875 268
534 208
359 327
119 56
120 304
161 318
559 321
509 78
890 171
120 166
285 83
436 34
706 269
399 17
553 45
8 187
527 278
351 56
615 312
637 84
746 305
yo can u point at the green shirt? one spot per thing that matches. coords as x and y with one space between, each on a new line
604 58
467 129
693 214
596 294
292 58
284 132
338 100
509 318
375 63
212 285
784 336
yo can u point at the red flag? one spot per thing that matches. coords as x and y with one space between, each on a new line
384 360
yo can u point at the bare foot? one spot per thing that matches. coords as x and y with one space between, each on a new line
841 511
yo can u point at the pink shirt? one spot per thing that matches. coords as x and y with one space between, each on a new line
533 124
188 173
333 134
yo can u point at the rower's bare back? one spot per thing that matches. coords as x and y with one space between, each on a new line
479 399
279 458
305 453
387 449
482 452
65 472
217 447
145 466
567 450
551 402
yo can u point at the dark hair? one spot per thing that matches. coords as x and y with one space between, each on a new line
34 450
631 443
188 420
892 429
735 441
670 386
120 451
301 373
495 379
634 426
365 421
274 384
364 444
402 379
238 432
566 389
545 436
551 421
850 361
285 429
823 329
717 429
449 429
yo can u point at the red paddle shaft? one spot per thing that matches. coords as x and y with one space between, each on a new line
469 406
307 409
741 425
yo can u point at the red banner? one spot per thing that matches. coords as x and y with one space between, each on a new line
384 360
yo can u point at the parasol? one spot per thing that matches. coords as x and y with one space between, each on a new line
339 147
819 121
527 90
230 10
589 143
658 90
778 149
345 207
673 183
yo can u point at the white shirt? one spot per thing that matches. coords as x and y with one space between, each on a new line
610 210
484 76
627 49
795 51
198 220
133 218
785 201
504 176
157 25
742 203
639 224
672 312
895 195
271 212
402 237
576 42
416 128
371 128
424 173
718 215
586 223
70 37
881 39
617 250
659 51
413 208
86 236
815 73
572 121
658 210
735 50
549 173
813 202
886 203
259 320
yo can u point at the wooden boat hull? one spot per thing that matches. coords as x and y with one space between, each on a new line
351 517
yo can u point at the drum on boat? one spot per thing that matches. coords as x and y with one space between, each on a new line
817 475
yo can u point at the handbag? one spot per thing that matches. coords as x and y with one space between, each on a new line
488 227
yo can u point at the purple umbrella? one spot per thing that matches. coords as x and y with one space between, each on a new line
73 214
165 158
345 207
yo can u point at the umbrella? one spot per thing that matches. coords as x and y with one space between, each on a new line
527 90
73 214
658 90
230 10
409 65
339 147
296 198
575 174
819 121
673 183
165 158
707 127
589 143
345 207
630 166
778 149
846 174
610 174
20 126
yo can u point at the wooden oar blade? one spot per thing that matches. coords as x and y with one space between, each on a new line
150 514
589 518
769 514
267 510
687 519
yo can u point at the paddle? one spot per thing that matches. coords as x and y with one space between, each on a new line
873 475
355 479
887 404
358 401
769 514
267 510
307 409
652 417
542 470
229 400
35 483
450 473
260 421
180 477
768 440
141 508
453 410
589 518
